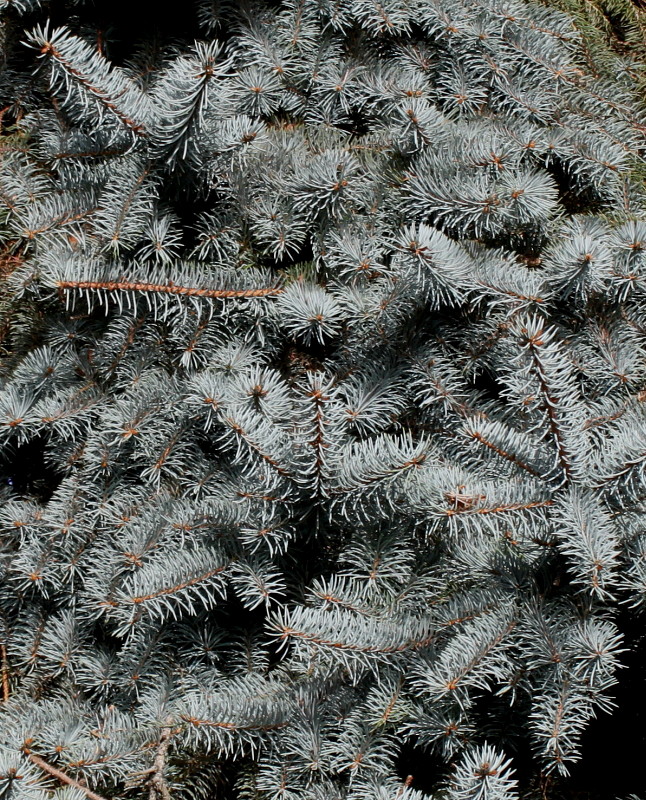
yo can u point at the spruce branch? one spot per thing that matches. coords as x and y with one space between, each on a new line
499 451
468 504
77 64
170 288
62 776
345 444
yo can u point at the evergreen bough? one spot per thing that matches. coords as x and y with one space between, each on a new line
327 334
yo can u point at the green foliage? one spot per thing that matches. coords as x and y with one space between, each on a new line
613 33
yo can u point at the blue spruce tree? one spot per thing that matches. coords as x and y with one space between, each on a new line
322 400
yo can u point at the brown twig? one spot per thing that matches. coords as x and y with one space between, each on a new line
62 777
168 288
158 785
5 672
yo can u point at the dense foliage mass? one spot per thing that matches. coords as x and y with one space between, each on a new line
323 400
